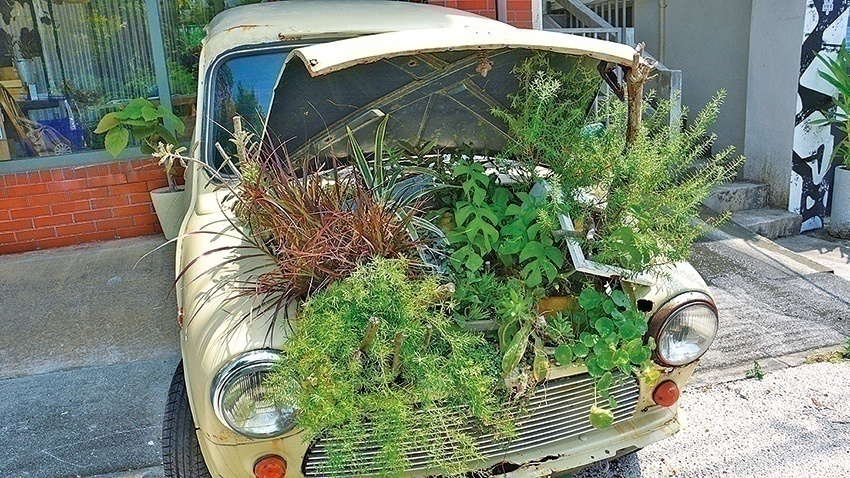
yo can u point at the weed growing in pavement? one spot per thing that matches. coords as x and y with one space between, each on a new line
832 357
755 372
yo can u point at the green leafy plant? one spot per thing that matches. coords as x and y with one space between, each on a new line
493 223
837 75
148 123
756 372
388 393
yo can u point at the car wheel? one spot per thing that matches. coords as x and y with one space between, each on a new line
181 453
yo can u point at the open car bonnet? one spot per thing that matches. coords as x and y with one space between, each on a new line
437 85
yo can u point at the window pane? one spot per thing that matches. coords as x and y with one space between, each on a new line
67 64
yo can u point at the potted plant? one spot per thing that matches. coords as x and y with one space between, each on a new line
837 75
149 124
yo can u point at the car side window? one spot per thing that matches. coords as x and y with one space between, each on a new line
243 86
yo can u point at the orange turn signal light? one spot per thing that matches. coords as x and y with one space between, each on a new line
270 467
666 393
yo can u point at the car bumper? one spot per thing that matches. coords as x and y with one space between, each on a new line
652 425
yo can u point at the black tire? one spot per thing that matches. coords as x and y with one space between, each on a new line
181 453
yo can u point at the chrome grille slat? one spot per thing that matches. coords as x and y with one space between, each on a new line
557 410
624 396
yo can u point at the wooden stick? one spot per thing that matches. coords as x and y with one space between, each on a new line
399 339
428 331
371 333
636 76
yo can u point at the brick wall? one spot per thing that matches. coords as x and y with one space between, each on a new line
518 11
75 205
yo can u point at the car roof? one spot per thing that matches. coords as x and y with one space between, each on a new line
300 19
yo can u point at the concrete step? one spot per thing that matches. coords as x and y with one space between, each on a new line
770 223
737 196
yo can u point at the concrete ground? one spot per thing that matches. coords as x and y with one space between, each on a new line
84 370
793 423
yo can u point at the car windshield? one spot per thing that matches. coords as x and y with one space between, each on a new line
243 86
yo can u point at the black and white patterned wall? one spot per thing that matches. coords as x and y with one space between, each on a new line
825 27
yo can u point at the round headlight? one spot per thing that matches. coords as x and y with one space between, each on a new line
239 397
684 328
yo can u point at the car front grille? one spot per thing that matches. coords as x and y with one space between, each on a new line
557 410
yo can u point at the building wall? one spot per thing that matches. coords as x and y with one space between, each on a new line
517 12
812 164
776 32
708 41
75 205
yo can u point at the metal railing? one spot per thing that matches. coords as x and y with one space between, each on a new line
611 20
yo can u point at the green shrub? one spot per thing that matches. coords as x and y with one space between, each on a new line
357 398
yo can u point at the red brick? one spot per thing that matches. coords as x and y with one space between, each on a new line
108 180
21 178
88 193
139 198
472 4
519 5
12 203
157 227
128 188
137 176
7 237
26 189
52 220
97 170
16 225
56 175
133 210
57 242
73 206
92 215
114 223
34 211
66 185
143 220
151 185
32 234
97 236
137 231
70 173
18 247
522 16
4 215
74 229
9 180
109 202
48 199
44 176
114 168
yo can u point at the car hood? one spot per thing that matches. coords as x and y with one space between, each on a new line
437 85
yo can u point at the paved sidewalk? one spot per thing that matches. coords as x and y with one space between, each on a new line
794 423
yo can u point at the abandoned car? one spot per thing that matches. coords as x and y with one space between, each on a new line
312 71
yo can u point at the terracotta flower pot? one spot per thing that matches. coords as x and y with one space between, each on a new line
555 304
168 205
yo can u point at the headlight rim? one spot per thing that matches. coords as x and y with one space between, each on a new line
253 360
664 313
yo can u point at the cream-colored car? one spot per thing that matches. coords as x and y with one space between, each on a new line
307 69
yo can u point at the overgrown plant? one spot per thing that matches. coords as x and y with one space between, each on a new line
381 369
633 205
489 222
318 225
148 123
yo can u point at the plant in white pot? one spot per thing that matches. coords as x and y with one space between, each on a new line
837 75
149 124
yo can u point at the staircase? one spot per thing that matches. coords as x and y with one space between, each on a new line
747 204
